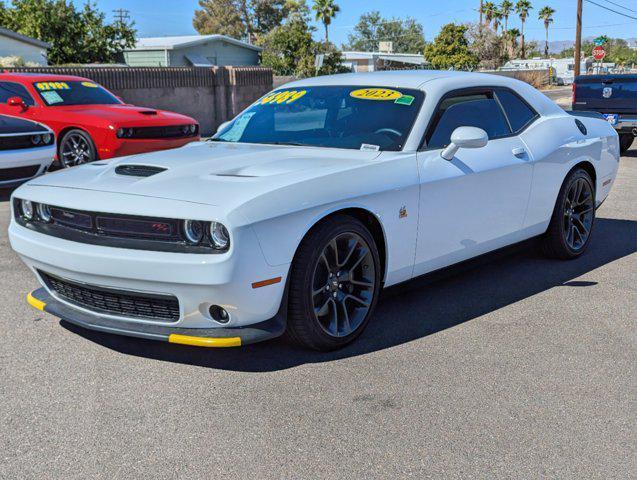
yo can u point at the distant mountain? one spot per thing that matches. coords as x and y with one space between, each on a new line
560 45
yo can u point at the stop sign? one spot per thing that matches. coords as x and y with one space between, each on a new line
599 53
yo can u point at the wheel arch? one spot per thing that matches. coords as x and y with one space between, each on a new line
367 218
66 130
588 167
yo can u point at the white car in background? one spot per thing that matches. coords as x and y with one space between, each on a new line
302 208
26 150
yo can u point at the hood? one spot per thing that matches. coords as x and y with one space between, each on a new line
210 173
14 125
127 115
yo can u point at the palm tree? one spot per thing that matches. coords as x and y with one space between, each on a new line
522 9
546 14
497 19
512 34
506 7
325 10
488 9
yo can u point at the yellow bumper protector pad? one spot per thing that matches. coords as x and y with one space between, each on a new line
205 341
35 303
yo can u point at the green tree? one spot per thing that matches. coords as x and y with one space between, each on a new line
240 18
325 10
289 49
497 20
450 49
406 34
546 14
76 35
522 8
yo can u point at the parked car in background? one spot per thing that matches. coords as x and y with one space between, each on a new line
26 150
615 97
300 210
90 122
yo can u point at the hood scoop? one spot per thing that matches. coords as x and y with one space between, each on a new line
138 170
148 112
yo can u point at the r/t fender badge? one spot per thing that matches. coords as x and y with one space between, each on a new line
402 213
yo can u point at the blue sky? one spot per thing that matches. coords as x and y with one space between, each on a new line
170 17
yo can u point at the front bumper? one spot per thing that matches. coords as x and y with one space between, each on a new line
626 124
123 147
201 337
40 157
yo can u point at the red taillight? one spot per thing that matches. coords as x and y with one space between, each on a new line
574 91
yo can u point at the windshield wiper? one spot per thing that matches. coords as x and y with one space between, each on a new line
291 144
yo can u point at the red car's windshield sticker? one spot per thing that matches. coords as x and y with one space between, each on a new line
45 86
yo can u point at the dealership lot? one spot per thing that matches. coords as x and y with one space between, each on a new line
522 367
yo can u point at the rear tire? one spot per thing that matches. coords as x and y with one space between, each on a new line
334 284
573 217
625 142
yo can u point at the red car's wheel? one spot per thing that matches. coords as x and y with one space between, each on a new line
75 148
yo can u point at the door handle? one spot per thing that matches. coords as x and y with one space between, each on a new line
518 152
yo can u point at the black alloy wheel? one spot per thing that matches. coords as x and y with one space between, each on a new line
76 148
334 284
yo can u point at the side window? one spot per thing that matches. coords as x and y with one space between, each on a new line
475 110
11 89
518 112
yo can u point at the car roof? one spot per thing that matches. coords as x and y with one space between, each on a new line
396 78
24 77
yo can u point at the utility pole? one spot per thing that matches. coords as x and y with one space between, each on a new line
578 39
121 15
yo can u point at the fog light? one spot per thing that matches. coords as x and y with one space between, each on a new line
27 209
219 314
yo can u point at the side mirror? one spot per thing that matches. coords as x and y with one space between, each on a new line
465 137
17 102
222 126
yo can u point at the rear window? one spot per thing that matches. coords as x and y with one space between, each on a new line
517 111
58 93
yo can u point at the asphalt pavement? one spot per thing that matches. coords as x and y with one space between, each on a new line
520 367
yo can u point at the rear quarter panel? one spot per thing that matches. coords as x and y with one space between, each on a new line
557 145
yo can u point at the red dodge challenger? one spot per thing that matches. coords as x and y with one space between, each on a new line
90 122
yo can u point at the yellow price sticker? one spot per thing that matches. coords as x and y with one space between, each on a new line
283 97
89 84
376 94
43 86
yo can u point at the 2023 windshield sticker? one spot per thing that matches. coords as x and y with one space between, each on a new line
382 94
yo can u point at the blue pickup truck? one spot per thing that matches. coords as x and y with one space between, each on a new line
613 96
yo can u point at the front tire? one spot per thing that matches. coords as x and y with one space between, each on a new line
625 142
334 284
571 225
75 148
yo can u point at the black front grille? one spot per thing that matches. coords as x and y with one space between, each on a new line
138 170
114 302
171 131
18 173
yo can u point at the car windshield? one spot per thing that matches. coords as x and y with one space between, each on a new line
55 93
352 117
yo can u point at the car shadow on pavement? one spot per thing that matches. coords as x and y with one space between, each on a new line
413 310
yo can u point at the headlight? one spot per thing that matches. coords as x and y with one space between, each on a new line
193 129
46 138
36 139
193 231
44 212
27 209
124 132
219 236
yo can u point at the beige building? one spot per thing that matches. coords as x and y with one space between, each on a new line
373 61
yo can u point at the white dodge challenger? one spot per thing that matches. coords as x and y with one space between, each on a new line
296 214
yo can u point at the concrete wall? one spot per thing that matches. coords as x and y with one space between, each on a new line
10 47
210 95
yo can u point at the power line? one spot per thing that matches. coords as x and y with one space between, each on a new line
611 10
620 6
121 15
